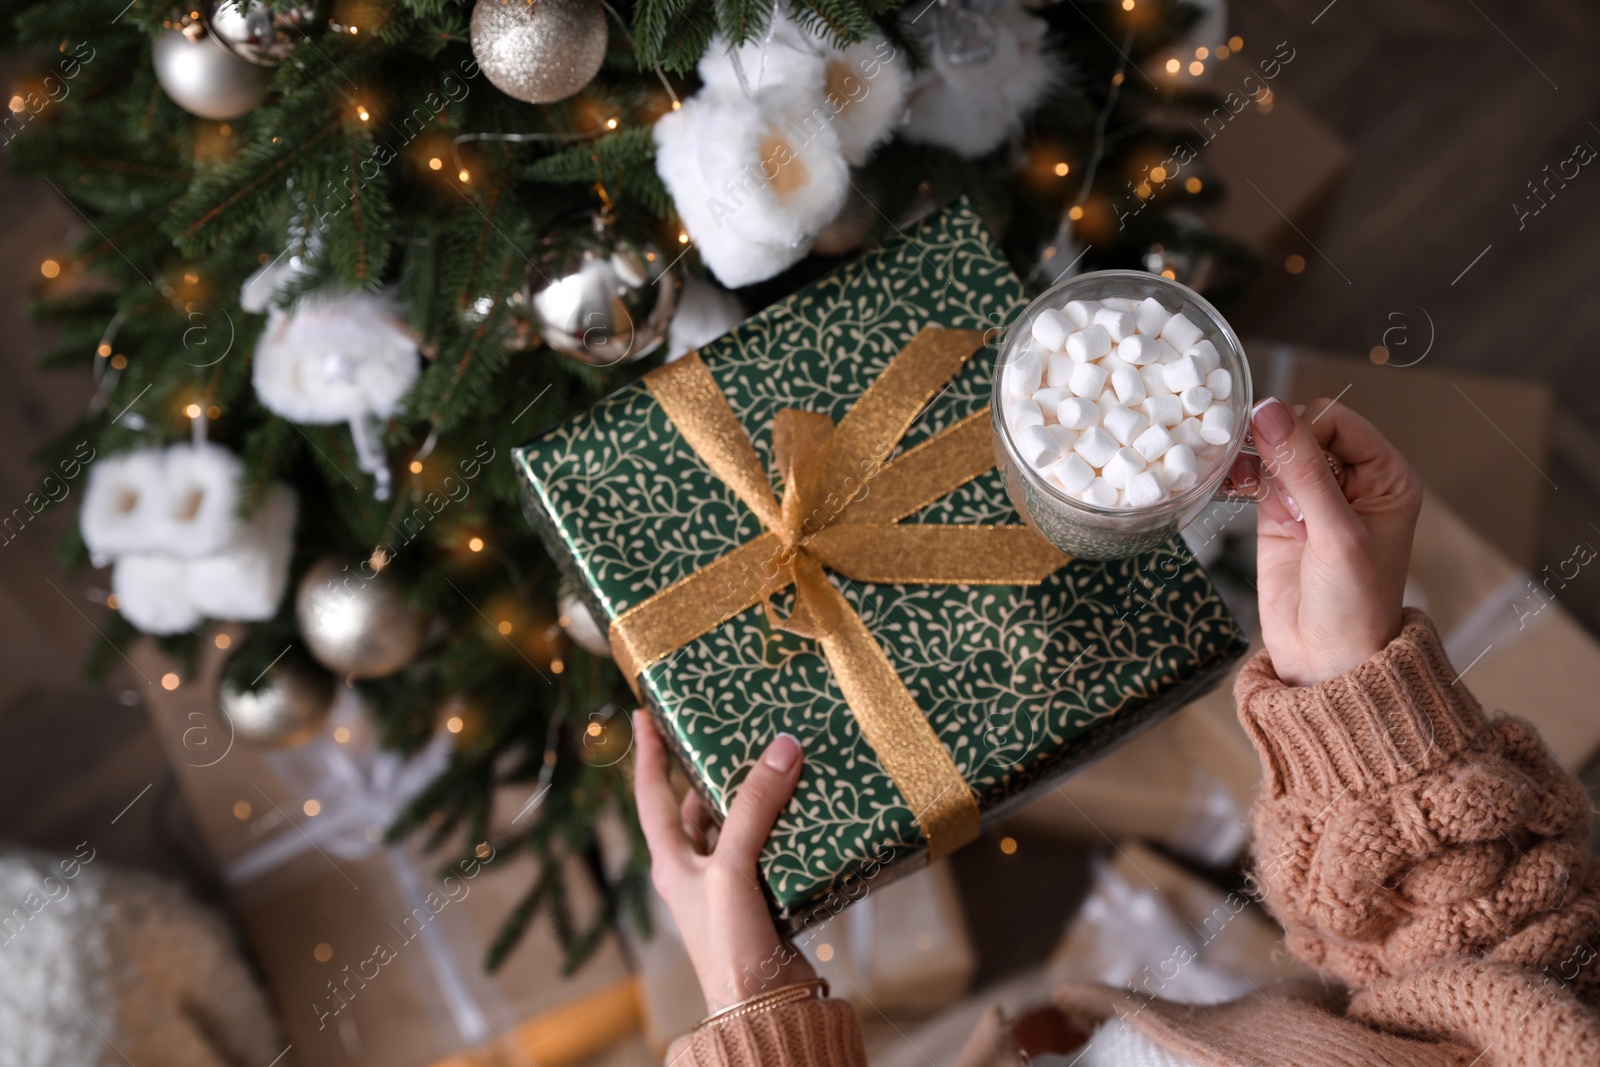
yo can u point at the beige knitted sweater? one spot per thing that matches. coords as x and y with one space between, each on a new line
1432 863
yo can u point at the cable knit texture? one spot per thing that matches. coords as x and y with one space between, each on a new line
1433 861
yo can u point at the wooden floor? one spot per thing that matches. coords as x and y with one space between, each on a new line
1450 108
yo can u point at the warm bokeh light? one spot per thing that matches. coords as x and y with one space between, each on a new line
1158 174
455 724
824 952
1116 79
1076 213
476 544
464 175
1197 68
17 103
1127 5
557 666
361 113
113 602
1202 52
169 681
104 350
213 412
504 626
119 361
1223 51
1236 43
222 640
323 952
435 163
416 466
241 810
1173 66
1193 185
312 807
341 734
50 268
1062 170
1008 845
677 105
683 237
611 124
1379 355
192 410
1295 264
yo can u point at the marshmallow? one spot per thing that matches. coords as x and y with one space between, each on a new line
1204 353
1091 342
1095 446
1100 493
1150 316
1145 489
1181 374
1072 472
1076 413
1154 442
1155 380
1065 438
1118 324
1180 333
1220 382
1119 303
1113 362
1124 425
1166 410
1195 400
1057 370
1023 372
1123 464
1037 446
1142 350
1087 379
1188 433
1129 385
1024 413
1051 328
1081 312
1181 467
1216 426
1048 399
1107 400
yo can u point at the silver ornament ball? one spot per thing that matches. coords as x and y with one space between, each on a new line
607 300
289 709
257 31
539 51
355 622
204 78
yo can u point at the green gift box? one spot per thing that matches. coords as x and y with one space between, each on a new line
1019 684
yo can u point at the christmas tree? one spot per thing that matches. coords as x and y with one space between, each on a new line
338 261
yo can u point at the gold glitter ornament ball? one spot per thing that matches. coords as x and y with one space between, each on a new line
539 51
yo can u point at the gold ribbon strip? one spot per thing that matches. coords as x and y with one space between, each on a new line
841 510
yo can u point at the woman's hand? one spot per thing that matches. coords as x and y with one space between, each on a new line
1331 563
709 879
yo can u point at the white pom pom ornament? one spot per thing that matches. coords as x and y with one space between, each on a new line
335 358
123 495
973 107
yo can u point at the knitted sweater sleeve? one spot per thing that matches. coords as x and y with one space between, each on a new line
1399 831
808 1033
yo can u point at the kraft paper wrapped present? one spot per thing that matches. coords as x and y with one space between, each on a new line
369 955
799 528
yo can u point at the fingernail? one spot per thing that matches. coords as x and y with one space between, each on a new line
1273 421
1293 508
782 753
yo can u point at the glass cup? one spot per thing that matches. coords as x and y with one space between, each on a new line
1086 530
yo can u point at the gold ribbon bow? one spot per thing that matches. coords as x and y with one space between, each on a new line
841 511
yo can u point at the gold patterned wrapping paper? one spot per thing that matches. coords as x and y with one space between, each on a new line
1018 682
